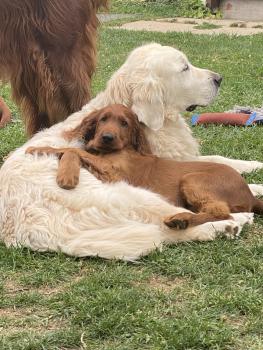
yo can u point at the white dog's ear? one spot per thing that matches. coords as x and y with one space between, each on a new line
148 103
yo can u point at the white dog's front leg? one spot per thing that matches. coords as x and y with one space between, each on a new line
242 166
257 190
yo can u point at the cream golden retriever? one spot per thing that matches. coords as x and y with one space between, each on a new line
114 220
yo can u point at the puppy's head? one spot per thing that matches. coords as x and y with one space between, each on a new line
112 129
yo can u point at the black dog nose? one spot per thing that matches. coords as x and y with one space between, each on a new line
107 138
218 80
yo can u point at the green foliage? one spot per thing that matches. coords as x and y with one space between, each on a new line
168 8
206 25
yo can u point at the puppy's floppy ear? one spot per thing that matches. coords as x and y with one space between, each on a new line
139 140
148 103
86 130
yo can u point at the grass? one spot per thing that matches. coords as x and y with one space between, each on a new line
164 8
238 25
190 296
206 25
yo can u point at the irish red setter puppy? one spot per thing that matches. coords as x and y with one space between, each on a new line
117 149
48 53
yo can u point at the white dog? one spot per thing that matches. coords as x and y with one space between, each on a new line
114 220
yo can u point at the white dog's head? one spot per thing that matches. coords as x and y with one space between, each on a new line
158 78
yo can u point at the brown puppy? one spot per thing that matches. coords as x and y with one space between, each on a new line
48 53
118 150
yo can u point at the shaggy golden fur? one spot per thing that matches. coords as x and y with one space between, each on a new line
48 53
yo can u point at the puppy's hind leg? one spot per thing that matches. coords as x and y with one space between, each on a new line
201 201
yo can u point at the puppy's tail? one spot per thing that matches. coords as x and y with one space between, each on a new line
258 206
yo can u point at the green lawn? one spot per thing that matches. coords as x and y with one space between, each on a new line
161 8
190 296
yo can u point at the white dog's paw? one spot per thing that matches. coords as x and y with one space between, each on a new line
228 228
249 166
257 190
244 218
256 165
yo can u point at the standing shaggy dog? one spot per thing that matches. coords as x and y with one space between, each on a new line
113 220
48 53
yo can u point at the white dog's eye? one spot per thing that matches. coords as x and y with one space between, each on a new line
186 67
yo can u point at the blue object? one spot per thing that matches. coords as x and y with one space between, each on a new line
251 119
194 119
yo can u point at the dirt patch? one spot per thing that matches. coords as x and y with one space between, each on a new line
234 321
162 283
197 26
108 17
11 287
16 320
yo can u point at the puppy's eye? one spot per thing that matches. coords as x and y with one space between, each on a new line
103 119
123 123
186 67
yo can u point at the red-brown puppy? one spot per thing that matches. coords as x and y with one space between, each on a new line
118 150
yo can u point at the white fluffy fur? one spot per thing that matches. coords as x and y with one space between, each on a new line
112 220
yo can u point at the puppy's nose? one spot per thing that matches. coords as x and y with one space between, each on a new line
107 138
218 79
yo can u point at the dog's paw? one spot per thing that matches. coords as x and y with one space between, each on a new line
31 150
178 221
227 228
256 189
40 150
67 182
232 229
243 218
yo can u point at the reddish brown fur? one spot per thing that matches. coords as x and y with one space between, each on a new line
5 114
211 191
48 53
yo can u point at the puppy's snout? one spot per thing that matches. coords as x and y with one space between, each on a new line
107 137
218 79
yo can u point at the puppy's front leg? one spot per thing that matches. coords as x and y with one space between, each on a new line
103 169
68 170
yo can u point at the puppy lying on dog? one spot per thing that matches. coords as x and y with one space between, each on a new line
117 150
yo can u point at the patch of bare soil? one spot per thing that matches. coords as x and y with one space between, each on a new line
197 26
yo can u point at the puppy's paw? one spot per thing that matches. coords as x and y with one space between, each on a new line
179 221
41 150
67 182
31 150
